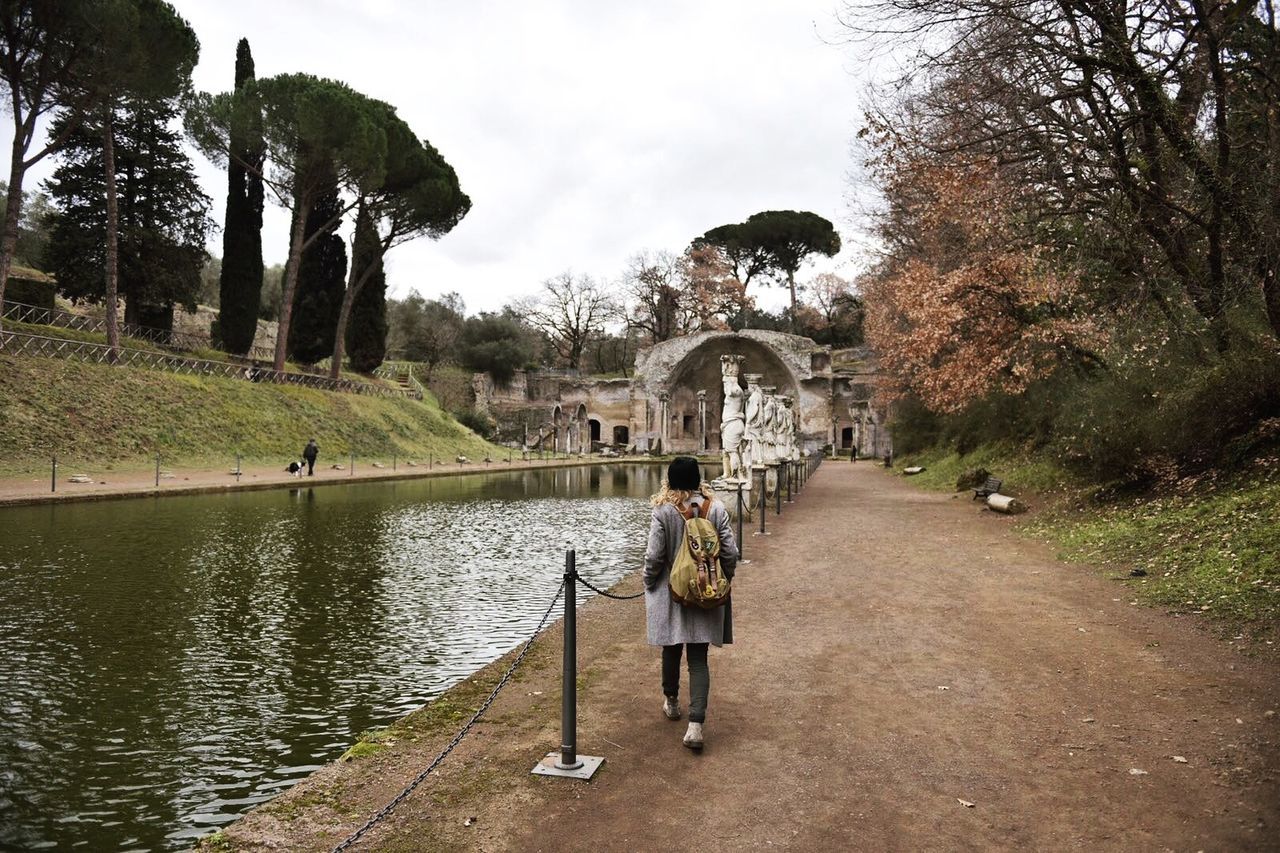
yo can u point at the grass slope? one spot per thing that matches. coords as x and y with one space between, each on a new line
1208 545
119 418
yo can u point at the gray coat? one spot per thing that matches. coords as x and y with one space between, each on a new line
670 622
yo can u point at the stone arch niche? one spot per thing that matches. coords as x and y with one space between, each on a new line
699 370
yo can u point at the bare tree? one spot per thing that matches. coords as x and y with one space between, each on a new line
830 292
570 310
652 287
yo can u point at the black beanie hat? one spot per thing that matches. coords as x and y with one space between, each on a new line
683 474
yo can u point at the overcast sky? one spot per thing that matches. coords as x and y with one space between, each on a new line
582 130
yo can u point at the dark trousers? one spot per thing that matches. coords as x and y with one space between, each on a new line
311 466
699 677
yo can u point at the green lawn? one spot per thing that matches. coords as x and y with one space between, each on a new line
120 417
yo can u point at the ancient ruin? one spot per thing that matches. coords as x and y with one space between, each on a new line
682 399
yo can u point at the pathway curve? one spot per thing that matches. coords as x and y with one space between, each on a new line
901 655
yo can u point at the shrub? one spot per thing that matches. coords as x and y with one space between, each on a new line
1142 418
480 424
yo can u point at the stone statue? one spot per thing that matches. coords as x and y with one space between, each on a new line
770 425
788 417
732 420
754 433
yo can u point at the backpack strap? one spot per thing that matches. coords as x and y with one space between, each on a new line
695 510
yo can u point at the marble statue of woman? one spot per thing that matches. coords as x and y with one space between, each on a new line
754 433
770 424
788 429
732 419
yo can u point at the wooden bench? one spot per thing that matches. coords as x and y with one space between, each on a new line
990 487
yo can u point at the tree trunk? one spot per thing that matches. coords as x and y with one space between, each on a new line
791 285
1271 293
113 213
290 281
339 338
344 314
12 215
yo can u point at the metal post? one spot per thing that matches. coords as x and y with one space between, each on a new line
777 492
569 763
393 461
791 470
739 521
157 470
764 506
238 468
430 458
53 476
569 692
352 470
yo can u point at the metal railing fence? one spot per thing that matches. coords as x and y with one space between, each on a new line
19 312
21 343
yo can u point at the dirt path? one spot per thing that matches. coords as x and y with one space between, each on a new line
898 653
177 480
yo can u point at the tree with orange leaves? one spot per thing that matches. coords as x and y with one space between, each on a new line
963 309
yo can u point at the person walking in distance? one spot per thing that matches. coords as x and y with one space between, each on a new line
309 453
681 629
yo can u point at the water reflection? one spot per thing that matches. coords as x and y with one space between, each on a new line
169 663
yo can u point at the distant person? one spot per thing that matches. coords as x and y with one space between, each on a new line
673 626
309 453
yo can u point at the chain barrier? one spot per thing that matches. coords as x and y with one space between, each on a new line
417 780
599 591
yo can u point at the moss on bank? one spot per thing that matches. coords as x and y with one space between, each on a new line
119 418
1205 545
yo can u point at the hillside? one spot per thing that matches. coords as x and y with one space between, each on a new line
119 418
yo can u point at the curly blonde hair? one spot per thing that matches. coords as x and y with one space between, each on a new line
675 497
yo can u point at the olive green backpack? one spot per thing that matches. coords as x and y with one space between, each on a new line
696 577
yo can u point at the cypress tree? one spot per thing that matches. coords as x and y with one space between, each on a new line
322 279
240 286
367 330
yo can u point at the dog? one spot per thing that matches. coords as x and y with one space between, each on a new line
296 468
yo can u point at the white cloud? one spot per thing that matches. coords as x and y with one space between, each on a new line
583 131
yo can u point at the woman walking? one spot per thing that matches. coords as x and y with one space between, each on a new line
675 627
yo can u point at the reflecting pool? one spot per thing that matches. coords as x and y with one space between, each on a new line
167 663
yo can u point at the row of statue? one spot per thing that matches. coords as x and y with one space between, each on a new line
758 426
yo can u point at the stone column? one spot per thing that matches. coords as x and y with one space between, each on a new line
702 421
664 416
